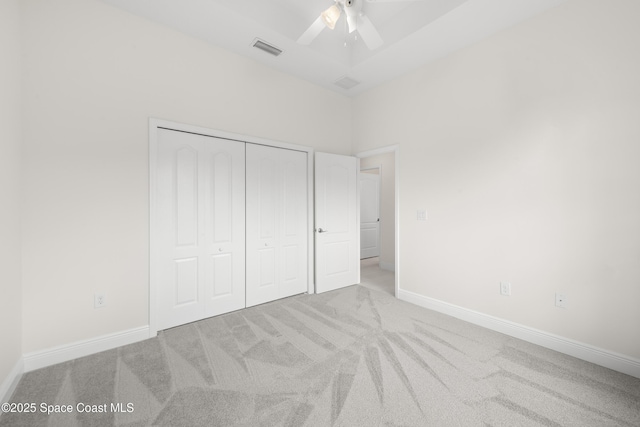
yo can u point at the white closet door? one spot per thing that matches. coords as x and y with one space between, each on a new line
276 227
200 193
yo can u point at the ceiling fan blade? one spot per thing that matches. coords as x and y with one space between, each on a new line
352 22
312 32
369 34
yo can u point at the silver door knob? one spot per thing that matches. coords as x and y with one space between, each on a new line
320 230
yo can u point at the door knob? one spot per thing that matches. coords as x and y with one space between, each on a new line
320 230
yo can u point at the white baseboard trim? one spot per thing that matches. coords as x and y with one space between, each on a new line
387 266
64 353
10 383
599 356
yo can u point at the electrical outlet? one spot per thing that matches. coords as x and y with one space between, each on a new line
99 300
421 215
561 300
505 288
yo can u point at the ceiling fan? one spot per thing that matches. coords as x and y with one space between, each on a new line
356 21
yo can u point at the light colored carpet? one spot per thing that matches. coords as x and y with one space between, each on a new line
373 277
352 357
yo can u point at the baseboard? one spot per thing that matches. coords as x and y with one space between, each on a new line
608 359
10 383
64 353
387 266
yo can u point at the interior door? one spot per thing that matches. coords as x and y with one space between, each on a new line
200 216
369 215
277 223
337 226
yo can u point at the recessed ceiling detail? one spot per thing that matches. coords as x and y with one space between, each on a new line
346 83
413 32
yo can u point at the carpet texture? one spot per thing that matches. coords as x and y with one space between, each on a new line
352 357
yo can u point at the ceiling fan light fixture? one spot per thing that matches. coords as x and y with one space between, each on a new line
331 16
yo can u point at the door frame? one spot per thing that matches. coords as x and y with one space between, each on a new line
396 150
154 125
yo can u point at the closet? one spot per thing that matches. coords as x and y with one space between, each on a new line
231 225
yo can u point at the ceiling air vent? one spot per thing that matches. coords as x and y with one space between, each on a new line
266 47
346 82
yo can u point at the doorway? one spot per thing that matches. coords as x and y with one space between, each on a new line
379 261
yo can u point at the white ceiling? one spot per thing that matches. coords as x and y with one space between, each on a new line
414 32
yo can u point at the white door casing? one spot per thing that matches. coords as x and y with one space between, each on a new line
200 217
337 217
369 215
277 223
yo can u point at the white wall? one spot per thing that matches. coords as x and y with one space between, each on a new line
387 165
95 75
10 162
524 148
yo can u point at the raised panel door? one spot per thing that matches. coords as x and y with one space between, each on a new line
337 221
200 217
276 223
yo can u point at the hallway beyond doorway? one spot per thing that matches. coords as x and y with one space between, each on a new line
374 277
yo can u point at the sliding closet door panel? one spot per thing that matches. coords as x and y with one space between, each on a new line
276 221
293 255
186 197
221 200
266 271
224 218
267 197
220 221
200 216
221 282
262 200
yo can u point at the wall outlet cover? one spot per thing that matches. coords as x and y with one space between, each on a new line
99 300
561 300
505 288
